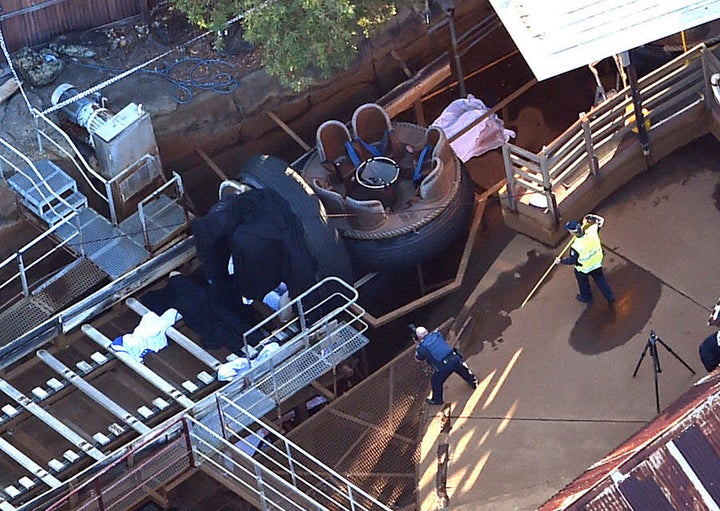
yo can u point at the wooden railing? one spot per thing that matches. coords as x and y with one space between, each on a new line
584 149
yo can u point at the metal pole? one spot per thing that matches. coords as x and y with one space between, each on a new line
637 103
23 276
458 66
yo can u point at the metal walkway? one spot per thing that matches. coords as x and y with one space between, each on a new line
321 336
104 252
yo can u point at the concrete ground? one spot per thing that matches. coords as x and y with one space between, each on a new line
558 390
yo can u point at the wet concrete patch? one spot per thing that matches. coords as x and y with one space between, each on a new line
602 328
491 314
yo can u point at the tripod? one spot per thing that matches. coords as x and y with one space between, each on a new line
652 346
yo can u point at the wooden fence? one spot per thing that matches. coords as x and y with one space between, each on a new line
582 153
37 22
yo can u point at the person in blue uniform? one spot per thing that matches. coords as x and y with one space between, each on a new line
433 349
586 255
710 352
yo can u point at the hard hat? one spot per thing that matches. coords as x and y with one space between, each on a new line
420 332
573 227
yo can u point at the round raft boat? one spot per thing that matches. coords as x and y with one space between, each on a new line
395 191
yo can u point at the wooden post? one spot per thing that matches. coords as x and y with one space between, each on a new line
8 88
589 148
288 130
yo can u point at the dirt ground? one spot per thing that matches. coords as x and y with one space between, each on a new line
163 47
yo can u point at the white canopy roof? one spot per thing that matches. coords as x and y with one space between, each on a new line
556 36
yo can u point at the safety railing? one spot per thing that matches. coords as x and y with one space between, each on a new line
582 151
280 475
19 258
327 327
218 433
172 189
13 161
112 484
19 163
277 475
310 311
64 145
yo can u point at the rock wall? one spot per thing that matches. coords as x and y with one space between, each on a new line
239 121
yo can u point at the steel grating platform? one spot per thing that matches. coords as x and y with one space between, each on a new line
20 318
68 285
300 370
71 283
105 245
163 218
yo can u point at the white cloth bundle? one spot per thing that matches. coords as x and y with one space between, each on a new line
240 365
148 336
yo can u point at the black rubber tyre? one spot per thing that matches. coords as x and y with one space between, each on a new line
322 241
407 250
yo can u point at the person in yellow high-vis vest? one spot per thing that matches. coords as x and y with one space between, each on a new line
586 255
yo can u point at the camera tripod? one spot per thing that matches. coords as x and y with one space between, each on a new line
652 346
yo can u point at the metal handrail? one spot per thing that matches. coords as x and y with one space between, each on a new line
579 149
303 312
74 156
22 268
29 163
174 181
160 433
203 435
301 473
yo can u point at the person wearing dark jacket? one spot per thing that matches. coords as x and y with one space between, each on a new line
435 350
710 352
586 255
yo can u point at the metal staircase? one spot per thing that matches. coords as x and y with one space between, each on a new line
47 191
103 251
212 433
52 195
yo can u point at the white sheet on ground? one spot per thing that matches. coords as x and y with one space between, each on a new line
240 365
148 336
488 134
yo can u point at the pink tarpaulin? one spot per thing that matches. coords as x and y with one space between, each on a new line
488 134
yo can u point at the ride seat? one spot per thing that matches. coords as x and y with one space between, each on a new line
373 131
331 138
331 200
365 215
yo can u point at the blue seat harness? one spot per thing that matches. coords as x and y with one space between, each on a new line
417 176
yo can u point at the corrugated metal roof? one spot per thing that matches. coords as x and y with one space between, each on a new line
673 463
556 36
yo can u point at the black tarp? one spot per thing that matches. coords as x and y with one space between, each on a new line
267 244
266 241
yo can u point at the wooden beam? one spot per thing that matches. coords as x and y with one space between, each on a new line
405 69
211 164
288 130
459 276
8 88
404 96
322 390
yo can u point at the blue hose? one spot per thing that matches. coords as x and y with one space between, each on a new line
203 74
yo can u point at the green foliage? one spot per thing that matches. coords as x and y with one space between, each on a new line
208 14
301 40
